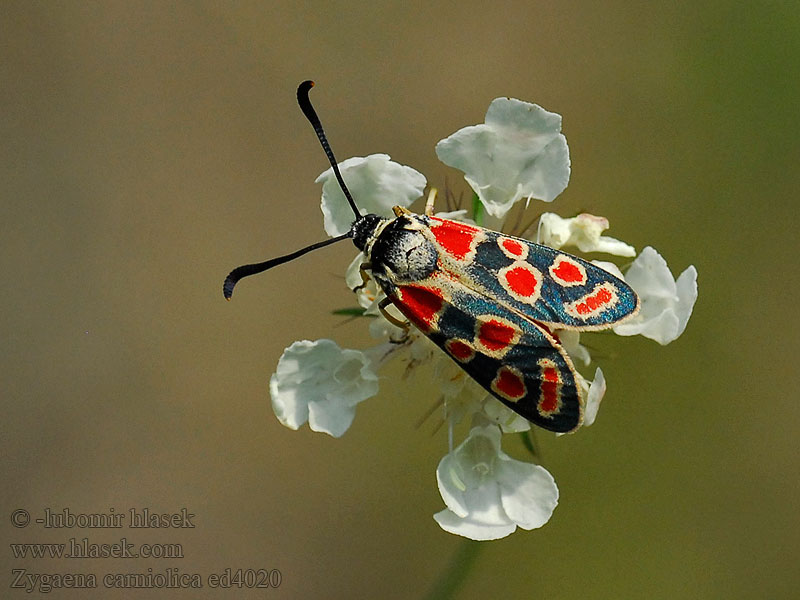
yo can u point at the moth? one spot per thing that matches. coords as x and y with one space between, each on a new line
492 302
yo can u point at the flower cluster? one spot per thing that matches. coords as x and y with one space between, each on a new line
518 154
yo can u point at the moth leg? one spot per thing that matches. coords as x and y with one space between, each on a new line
404 325
429 202
365 266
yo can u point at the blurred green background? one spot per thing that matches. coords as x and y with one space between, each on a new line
147 148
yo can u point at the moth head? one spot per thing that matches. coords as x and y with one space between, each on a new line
364 230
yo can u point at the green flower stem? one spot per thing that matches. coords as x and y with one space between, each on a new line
477 210
456 572
529 441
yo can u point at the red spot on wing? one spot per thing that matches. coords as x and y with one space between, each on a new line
456 238
522 281
509 384
569 272
420 304
594 301
495 335
513 247
550 389
459 350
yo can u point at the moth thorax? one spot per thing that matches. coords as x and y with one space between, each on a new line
403 255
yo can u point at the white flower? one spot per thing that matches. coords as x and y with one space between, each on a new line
321 383
517 153
507 419
593 392
488 494
610 267
376 184
462 395
455 383
666 303
368 293
582 231
570 341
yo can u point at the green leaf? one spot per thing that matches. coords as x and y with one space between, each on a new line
355 311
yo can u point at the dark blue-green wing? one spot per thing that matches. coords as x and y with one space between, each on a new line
513 358
547 285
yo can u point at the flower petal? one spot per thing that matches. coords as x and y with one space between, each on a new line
376 184
369 295
570 341
661 326
290 410
488 493
666 305
451 485
529 493
594 396
583 231
321 383
650 276
507 419
610 267
686 287
473 529
323 419
517 153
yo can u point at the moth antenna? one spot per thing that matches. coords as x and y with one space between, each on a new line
308 110
245 270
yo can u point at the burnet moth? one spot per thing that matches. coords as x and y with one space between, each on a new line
492 302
